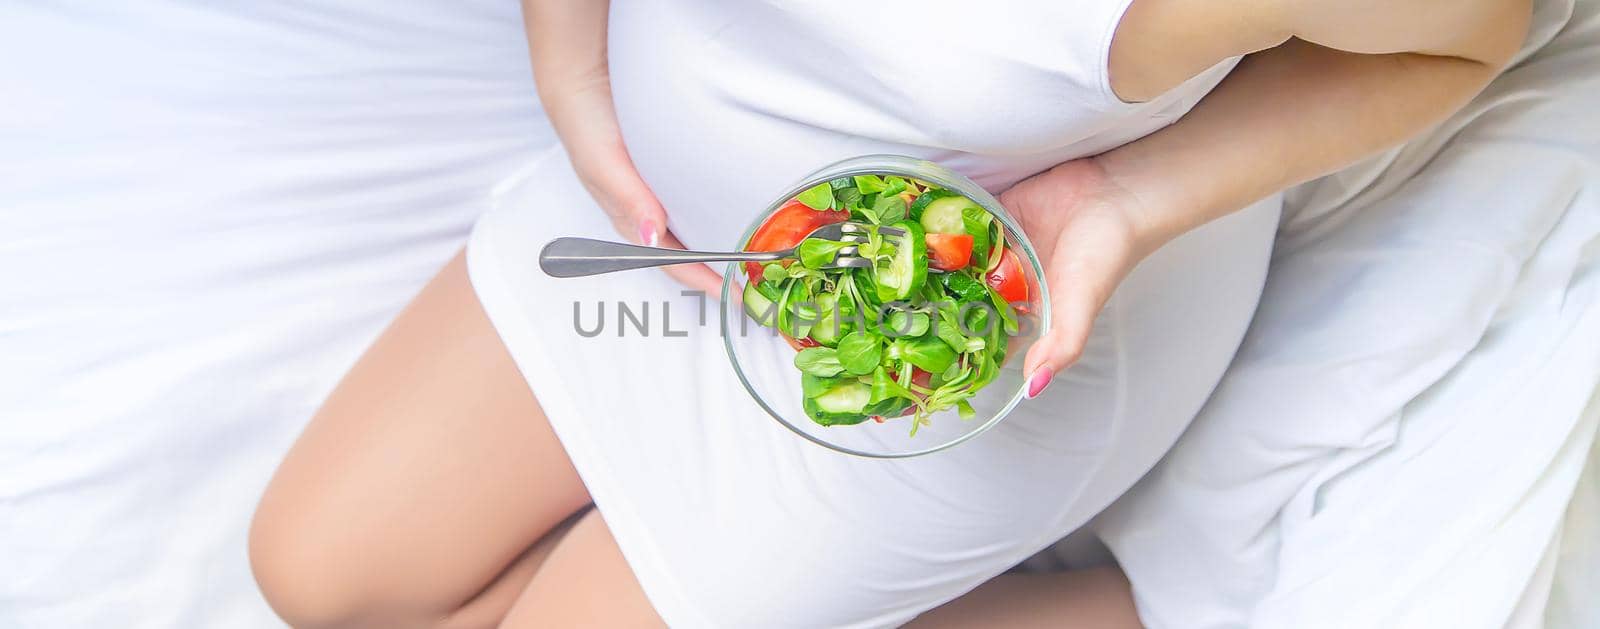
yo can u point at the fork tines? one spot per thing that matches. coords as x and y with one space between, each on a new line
857 232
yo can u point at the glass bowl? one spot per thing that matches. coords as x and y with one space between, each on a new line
764 362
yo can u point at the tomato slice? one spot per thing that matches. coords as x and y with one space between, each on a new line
787 227
1008 279
948 252
800 343
918 377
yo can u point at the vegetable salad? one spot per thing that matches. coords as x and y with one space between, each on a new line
919 331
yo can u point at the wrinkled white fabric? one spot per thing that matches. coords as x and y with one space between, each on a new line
1401 433
207 210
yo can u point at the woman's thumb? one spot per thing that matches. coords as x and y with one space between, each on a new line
642 216
646 219
627 200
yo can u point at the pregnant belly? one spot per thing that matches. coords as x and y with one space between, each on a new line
718 126
718 140
714 166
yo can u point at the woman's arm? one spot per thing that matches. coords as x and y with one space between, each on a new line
1301 110
1285 115
567 45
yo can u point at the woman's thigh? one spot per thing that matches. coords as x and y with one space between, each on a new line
428 472
584 582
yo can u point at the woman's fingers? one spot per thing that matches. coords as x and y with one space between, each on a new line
641 217
1088 261
636 214
585 119
1072 317
696 276
1084 227
622 194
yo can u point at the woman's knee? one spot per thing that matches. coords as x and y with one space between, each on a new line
291 560
315 572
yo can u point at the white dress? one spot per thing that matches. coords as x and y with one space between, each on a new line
726 517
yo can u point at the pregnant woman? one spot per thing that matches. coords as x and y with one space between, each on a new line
486 464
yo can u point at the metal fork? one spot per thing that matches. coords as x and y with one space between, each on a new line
577 257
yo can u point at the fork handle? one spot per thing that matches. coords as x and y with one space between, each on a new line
577 257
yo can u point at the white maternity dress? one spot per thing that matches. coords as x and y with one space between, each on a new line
726 517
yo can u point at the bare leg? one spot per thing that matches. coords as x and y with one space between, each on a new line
583 583
431 491
1097 598
416 495
489 606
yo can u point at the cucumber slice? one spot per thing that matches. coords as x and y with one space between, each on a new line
908 269
921 202
831 419
846 398
943 216
758 306
795 315
813 386
831 324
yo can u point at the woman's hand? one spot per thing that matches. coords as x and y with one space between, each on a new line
1285 115
567 44
583 116
1088 233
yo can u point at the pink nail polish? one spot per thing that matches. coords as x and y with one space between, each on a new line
1039 380
647 233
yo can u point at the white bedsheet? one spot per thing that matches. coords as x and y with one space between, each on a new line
207 210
